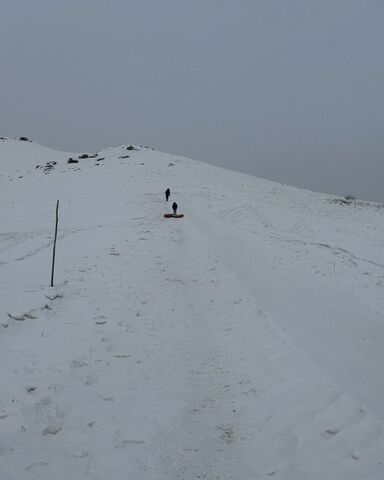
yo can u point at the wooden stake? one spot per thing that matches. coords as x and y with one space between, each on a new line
54 242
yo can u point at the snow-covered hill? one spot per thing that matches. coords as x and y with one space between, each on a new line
244 341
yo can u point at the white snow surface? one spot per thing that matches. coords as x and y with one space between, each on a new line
243 341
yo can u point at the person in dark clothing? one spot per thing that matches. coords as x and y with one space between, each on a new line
174 208
167 193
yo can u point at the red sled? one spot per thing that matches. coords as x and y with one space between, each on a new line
172 215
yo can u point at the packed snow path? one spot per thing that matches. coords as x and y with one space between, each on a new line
235 343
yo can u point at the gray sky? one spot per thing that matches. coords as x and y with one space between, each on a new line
291 90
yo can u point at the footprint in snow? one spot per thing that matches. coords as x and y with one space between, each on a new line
51 430
100 320
109 398
16 316
250 391
227 434
81 454
332 431
112 251
33 467
127 443
79 363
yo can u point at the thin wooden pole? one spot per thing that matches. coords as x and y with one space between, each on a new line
54 243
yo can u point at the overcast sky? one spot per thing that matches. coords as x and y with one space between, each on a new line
290 90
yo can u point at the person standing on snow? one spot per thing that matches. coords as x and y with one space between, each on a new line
167 193
174 208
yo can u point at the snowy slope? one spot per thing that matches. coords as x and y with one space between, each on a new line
244 341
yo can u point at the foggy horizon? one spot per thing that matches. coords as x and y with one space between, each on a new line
288 91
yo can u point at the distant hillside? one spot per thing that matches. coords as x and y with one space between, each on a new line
242 341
